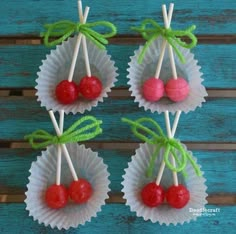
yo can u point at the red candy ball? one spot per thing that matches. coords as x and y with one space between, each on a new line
177 196
152 195
90 87
66 92
177 89
80 191
56 196
153 89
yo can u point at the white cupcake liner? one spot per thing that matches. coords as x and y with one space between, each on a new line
138 73
43 174
135 179
56 68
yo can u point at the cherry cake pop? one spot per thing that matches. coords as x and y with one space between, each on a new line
90 87
56 196
153 89
66 92
152 195
177 196
80 191
177 90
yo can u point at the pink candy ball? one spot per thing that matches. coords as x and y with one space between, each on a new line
153 89
177 89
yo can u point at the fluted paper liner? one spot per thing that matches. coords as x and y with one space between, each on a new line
56 68
135 179
190 71
43 174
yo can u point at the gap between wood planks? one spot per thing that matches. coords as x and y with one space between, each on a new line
119 39
117 93
212 199
210 146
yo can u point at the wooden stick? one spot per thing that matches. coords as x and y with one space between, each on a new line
84 42
77 46
64 149
164 43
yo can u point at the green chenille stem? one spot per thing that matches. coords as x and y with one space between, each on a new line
74 133
65 28
151 30
171 146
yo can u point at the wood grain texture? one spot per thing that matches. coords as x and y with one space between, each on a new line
221 125
119 219
28 17
19 64
220 173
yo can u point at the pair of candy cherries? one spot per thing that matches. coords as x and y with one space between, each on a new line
57 196
176 90
68 92
153 195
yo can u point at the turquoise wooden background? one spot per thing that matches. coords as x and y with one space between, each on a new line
210 131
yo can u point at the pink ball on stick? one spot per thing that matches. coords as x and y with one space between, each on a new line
153 89
177 90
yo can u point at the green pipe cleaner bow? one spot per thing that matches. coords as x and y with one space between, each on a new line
171 146
173 37
74 133
65 28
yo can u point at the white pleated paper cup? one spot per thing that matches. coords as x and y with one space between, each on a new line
56 66
190 71
43 174
135 179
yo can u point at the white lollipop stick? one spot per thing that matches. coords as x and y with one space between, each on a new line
61 123
167 118
170 133
171 54
84 42
77 46
164 43
64 149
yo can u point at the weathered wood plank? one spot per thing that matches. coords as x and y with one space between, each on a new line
19 64
120 217
208 124
28 17
219 168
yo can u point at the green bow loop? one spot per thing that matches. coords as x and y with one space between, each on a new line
83 129
171 146
151 30
65 28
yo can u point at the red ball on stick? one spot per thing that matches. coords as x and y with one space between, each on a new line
152 195
80 191
90 87
177 196
66 92
56 196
